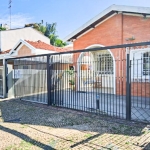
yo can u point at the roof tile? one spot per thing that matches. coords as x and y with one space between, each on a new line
5 52
41 45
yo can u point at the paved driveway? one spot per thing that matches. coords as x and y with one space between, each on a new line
109 104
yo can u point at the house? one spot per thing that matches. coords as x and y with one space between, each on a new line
9 38
22 42
27 48
115 25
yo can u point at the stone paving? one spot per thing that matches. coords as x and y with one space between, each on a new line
31 126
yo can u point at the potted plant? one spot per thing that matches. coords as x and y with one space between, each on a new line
72 84
71 77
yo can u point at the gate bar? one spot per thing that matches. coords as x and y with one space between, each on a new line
128 87
48 82
4 78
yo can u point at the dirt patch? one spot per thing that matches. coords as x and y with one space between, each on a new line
25 125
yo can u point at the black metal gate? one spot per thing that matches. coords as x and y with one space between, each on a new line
1 78
91 80
1 82
27 78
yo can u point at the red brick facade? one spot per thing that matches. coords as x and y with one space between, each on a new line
115 31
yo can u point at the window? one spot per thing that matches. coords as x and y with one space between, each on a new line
25 67
105 63
146 63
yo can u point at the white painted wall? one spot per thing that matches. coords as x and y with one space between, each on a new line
41 51
10 85
9 38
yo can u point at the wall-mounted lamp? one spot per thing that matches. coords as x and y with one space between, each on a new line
144 16
130 39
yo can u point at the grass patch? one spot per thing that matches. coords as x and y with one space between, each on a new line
25 144
22 146
23 126
30 109
88 135
52 143
127 143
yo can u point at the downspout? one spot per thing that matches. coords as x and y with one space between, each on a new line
122 27
122 55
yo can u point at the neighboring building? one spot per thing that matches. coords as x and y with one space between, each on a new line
116 25
27 48
6 26
25 69
27 42
9 38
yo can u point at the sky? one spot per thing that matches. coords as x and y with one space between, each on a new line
68 14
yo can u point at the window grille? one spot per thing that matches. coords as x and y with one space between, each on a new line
146 63
104 63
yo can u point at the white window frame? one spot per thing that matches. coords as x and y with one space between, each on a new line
148 62
105 65
138 77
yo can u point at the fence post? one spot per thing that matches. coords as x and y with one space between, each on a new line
48 82
4 78
128 87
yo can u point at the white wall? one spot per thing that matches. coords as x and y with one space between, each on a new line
41 51
9 38
10 81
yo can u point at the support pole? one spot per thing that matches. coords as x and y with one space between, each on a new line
128 87
48 82
4 78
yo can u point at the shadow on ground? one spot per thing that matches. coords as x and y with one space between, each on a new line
26 138
95 131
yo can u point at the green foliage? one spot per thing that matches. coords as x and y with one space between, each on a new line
60 43
70 72
53 39
50 31
42 29
2 29
36 26
88 135
72 82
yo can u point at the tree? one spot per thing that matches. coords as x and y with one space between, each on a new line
60 43
33 25
42 29
53 39
50 31
2 29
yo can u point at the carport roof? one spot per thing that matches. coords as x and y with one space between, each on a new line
105 14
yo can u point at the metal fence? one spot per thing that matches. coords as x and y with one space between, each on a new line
1 79
27 79
111 81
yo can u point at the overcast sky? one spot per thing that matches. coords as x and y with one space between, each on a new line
68 14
